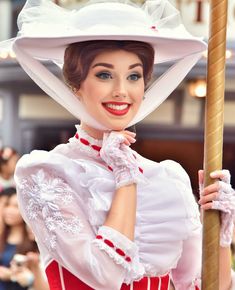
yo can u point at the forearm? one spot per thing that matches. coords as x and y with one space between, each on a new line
40 282
122 214
225 268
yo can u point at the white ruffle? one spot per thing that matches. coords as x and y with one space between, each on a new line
88 150
135 268
167 213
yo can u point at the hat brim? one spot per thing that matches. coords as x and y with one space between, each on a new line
166 49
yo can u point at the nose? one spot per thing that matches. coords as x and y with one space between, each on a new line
120 90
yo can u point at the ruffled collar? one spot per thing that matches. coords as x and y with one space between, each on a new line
87 144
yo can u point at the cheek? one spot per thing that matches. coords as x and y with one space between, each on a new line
139 94
17 217
94 96
14 213
88 94
11 165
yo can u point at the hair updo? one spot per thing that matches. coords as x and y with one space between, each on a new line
80 55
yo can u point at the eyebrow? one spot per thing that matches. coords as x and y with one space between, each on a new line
108 65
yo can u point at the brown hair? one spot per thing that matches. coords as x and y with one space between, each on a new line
26 245
79 56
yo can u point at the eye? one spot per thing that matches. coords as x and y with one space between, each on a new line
104 75
134 77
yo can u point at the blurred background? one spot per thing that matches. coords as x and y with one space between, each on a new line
31 120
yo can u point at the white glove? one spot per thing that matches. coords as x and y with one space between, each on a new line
120 159
225 202
233 280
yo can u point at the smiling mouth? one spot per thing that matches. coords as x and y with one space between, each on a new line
117 109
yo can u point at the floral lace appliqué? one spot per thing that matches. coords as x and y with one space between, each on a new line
42 193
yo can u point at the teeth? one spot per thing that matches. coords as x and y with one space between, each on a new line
117 107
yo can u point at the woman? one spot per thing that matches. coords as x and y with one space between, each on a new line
14 239
8 160
26 270
104 216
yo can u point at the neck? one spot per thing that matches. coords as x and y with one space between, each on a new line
95 133
16 234
5 175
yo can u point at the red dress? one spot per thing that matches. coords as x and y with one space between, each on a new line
61 279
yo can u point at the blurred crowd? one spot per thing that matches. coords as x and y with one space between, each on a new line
20 266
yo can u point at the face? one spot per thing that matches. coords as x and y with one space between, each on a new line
113 90
9 167
11 213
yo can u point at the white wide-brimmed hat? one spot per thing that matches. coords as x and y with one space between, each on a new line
45 30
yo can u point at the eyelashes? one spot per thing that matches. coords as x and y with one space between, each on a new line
134 77
104 75
107 75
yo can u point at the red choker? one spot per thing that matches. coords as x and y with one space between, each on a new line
96 148
87 143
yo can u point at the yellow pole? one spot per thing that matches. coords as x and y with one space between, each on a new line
214 137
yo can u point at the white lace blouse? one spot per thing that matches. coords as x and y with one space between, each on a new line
65 195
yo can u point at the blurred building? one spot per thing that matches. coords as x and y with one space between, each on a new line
31 120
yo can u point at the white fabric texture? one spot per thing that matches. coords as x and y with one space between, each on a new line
121 159
225 202
65 195
233 280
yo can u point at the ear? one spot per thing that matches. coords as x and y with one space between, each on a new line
77 92
79 95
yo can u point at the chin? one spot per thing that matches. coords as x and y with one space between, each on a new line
118 127
118 124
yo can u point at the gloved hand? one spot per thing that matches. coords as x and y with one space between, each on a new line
220 196
118 156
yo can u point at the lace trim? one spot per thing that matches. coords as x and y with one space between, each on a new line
92 147
135 269
85 135
42 193
150 271
119 259
119 251
86 143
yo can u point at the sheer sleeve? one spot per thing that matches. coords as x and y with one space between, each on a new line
50 202
186 276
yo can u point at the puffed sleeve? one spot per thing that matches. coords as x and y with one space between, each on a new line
50 202
186 275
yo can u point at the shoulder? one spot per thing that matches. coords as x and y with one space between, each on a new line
39 159
53 164
175 170
168 168
45 178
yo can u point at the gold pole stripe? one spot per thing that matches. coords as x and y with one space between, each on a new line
214 137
